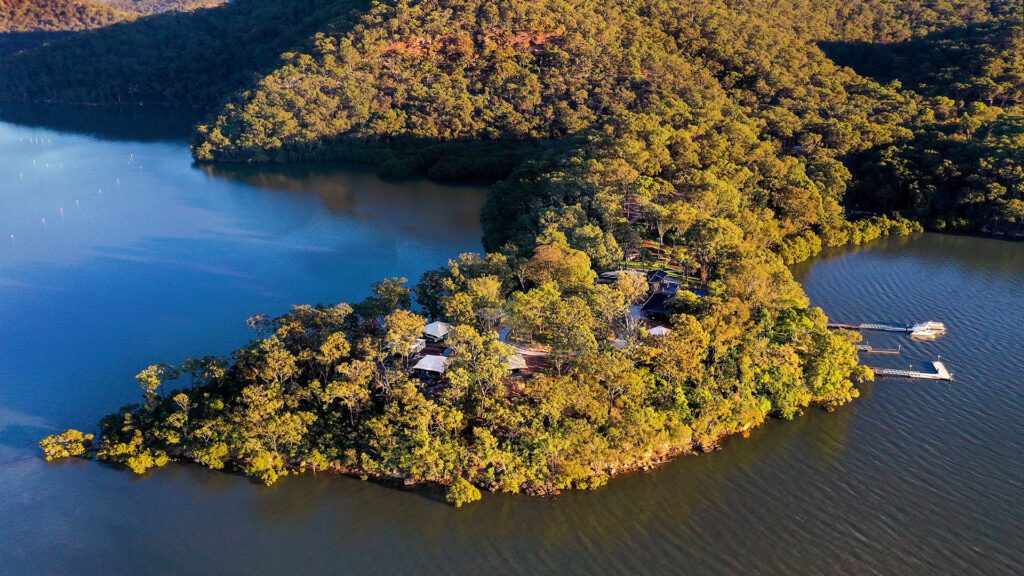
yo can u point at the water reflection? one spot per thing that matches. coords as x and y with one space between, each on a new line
357 191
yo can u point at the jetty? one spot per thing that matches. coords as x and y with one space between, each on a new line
922 331
941 373
869 349
882 327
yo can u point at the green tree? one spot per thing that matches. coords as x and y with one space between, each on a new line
66 444
461 492
403 330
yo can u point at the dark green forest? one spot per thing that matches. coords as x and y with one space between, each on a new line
214 51
962 168
718 139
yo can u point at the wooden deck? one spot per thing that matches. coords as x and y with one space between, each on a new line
941 373
882 327
869 349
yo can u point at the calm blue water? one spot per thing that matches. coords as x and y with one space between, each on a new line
912 478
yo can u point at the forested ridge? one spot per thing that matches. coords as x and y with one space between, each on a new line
27 25
56 15
76 15
216 51
159 6
719 140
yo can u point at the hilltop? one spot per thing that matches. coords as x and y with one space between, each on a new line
56 15
159 6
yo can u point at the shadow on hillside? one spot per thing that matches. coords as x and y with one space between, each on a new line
14 42
192 59
939 64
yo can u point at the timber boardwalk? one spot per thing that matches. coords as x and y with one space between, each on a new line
883 327
868 348
941 373
923 331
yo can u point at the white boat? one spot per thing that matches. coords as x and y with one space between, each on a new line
928 330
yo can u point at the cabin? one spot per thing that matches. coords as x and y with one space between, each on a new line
437 331
414 349
660 281
516 363
432 366
656 305
659 331
612 276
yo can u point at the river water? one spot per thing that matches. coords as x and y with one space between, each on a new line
144 258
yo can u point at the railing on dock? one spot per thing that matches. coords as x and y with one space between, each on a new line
872 350
941 373
882 327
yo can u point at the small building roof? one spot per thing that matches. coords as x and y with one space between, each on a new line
437 330
659 331
613 274
432 363
656 303
516 362
656 276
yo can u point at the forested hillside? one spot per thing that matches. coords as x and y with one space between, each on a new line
963 166
56 15
215 51
158 6
30 24
401 87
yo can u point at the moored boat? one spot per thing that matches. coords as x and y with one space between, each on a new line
928 330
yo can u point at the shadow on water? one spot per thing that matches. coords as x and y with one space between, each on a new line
111 123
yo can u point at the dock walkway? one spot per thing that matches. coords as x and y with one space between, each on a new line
868 348
882 327
941 373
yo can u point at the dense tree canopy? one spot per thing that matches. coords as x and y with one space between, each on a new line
327 387
56 15
158 6
75 15
192 58
962 166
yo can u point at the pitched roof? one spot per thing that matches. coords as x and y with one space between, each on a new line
431 363
656 303
437 330
657 276
659 331
516 362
